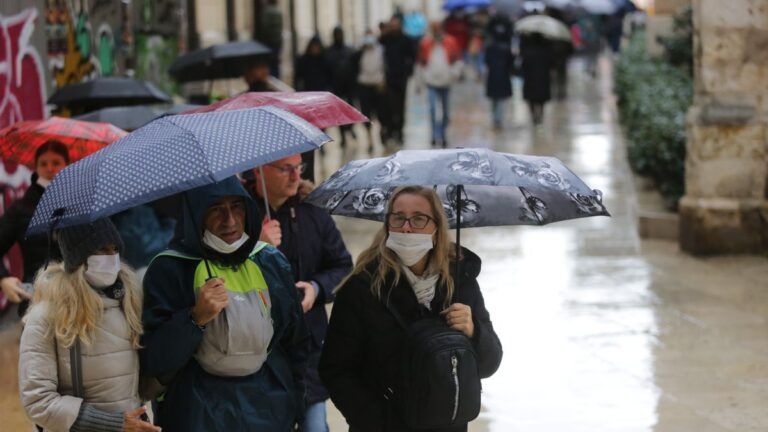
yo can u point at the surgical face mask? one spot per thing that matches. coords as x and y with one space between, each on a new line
410 247
43 182
102 270
212 241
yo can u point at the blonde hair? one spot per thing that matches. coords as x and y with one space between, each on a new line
439 257
74 309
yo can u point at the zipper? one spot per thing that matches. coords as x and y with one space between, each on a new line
455 372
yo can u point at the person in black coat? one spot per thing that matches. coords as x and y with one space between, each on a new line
536 53
498 85
410 265
341 62
50 158
399 59
312 72
308 237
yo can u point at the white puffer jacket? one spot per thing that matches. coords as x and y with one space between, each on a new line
110 369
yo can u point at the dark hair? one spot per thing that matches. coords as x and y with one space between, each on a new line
52 146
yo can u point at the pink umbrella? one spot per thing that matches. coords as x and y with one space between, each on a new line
322 109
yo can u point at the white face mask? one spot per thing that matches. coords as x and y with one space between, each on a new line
410 247
212 241
102 270
43 182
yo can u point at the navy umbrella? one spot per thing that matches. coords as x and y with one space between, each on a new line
170 155
478 187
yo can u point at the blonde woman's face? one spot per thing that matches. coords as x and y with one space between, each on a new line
411 214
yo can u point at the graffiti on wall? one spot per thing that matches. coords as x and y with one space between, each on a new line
22 82
157 42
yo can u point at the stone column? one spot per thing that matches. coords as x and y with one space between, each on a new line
725 209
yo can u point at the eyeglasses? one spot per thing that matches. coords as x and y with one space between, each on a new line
287 169
419 221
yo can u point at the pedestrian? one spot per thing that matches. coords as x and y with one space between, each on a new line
224 332
78 361
256 75
341 61
536 53
440 64
561 52
476 53
406 277
271 34
50 158
399 60
591 34
312 72
498 84
371 86
308 237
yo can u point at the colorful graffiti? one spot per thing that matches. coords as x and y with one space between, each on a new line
157 42
22 82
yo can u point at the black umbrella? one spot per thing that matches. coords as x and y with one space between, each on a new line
124 117
478 187
108 92
227 60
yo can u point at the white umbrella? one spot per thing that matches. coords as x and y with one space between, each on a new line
546 26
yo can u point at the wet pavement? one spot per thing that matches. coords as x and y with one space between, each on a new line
602 331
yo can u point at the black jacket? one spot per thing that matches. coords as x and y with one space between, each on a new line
341 61
501 64
316 251
13 229
537 61
399 58
364 341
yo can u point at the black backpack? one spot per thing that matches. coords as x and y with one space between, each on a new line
436 383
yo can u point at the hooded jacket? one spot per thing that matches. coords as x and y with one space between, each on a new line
364 339
195 400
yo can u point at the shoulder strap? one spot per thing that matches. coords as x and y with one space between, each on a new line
76 369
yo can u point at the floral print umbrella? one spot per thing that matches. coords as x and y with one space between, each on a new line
478 187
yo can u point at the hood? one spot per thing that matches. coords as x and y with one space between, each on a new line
189 229
470 265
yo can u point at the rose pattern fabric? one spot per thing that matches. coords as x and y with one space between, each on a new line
472 163
371 201
532 209
469 207
390 171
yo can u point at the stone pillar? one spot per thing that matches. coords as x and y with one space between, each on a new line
725 209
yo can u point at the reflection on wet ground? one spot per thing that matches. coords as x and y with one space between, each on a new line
601 331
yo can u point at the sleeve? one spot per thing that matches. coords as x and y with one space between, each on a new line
9 231
170 337
39 379
92 419
487 343
336 261
342 363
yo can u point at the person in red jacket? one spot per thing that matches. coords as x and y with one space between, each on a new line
439 65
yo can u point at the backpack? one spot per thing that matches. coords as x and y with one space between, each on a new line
437 380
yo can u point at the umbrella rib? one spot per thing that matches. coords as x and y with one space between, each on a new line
526 196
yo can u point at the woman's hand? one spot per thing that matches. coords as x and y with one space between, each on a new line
459 317
13 290
133 423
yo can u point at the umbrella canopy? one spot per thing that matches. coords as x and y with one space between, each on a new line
598 7
546 26
170 155
126 117
227 60
460 4
181 108
108 92
19 141
322 109
489 188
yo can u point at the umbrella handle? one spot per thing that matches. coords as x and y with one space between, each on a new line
457 277
264 192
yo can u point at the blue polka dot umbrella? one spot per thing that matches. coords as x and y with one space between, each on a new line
170 155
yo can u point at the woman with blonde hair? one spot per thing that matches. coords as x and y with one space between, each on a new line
78 364
403 286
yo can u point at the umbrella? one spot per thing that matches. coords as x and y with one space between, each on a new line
546 26
170 155
478 187
322 109
181 108
227 60
126 117
108 92
19 141
598 7
460 4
